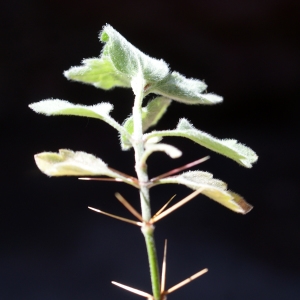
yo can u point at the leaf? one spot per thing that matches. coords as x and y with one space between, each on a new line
70 163
185 90
212 188
154 111
170 150
56 107
100 72
129 60
151 114
227 147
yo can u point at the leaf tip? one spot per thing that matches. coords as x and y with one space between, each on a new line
103 35
244 206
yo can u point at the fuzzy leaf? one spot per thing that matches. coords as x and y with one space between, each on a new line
185 90
212 188
227 147
100 72
154 111
170 150
151 114
130 61
70 163
56 107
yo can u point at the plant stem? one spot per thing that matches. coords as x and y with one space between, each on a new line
142 175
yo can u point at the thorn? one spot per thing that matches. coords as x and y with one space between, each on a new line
132 290
116 217
177 170
163 208
101 179
177 205
135 180
164 270
184 282
128 206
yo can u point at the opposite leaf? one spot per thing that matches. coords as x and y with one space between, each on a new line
186 90
70 163
227 147
212 188
100 72
56 107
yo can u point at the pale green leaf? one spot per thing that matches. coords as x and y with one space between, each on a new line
212 188
124 140
151 114
170 150
185 90
153 140
227 147
56 107
70 163
154 111
100 72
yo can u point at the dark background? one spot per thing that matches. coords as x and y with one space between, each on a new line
53 247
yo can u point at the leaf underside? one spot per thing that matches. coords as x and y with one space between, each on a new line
213 188
70 163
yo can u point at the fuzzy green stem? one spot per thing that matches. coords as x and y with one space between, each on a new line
152 258
141 170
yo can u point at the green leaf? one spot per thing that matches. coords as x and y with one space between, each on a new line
154 111
100 72
185 90
227 147
151 114
212 188
129 60
70 163
56 107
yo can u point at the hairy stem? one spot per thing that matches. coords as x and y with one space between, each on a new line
141 170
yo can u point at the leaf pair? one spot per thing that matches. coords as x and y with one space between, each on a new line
120 63
150 116
69 163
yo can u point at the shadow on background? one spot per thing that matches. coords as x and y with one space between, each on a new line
53 247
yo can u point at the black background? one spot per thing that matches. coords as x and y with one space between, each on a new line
53 247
